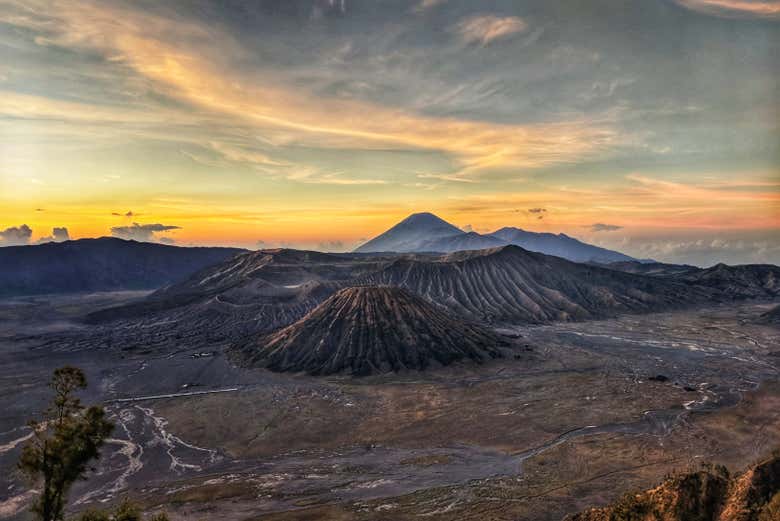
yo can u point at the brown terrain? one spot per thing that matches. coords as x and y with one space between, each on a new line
609 382
709 494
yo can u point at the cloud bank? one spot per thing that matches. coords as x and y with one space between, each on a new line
15 235
143 232
706 252
21 235
58 234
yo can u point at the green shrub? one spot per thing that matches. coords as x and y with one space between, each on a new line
126 511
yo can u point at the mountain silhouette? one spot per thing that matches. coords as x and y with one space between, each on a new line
425 232
104 264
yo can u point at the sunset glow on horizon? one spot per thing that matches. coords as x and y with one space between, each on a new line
650 128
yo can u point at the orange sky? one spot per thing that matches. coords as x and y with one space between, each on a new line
326 133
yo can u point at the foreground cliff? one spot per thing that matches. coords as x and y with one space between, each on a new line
710 494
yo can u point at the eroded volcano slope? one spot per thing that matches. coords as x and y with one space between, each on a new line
373 329
261 292
513 285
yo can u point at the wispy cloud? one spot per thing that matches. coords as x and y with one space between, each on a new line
164 53
602 227
455 178
142 232
642 202
426 5
243 155
311 175
483 29
735 8
333 180
673 190
602 89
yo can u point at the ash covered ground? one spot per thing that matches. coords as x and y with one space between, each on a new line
586 411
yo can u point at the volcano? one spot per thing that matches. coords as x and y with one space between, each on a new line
426 232
370 330
514 286
415 233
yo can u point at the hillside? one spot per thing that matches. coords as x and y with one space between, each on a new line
754 281
771 317
367 330
461 242
739 282
249 293
104 264
511 284
656 269
709 494
257 293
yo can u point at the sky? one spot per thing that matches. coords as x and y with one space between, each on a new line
647 126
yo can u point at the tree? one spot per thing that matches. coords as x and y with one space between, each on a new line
63 444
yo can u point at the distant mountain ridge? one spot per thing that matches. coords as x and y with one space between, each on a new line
425 232
257 293
655 269
512 285
743 281
560 245
104 264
